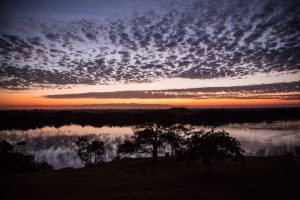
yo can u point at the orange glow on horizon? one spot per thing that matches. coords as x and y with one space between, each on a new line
22 100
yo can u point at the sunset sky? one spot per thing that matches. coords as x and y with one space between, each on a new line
149 54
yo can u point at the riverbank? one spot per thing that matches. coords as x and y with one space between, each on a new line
260 178
32 119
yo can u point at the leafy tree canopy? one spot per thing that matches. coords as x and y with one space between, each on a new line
212 147
152 137
91 152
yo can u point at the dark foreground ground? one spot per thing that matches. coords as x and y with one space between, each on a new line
260 178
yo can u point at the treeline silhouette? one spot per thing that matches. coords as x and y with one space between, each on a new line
26 119
12 161
182 141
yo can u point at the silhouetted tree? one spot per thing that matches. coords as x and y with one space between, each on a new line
175 136
128 147
151 137
5 147
91 152
98 150
18 146
212 147
83 144
148 138
13 162
21 143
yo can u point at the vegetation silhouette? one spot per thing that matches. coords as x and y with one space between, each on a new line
15 162
175 137
28 119
209 146
91 152
152 137
212 147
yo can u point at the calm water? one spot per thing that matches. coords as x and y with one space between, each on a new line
56 145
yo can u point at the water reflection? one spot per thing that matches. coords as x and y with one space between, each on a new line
57 147
263 139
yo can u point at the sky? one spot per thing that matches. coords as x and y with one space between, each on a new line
61 54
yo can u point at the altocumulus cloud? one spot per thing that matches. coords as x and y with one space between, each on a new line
190 39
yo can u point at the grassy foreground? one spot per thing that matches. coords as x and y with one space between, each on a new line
259 178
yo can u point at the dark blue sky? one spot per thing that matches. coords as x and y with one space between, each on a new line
66 9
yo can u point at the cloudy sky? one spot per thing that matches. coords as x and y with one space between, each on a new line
142 53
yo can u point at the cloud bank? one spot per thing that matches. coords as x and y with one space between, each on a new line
286 91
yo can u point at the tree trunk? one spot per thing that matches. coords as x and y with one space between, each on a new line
154 153
154 150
